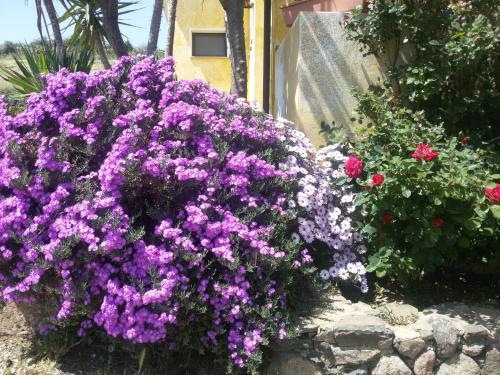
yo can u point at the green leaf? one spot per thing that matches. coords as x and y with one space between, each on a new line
381 273
495 210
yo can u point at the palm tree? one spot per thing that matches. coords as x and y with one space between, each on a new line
172 11
235 32
111 26
56 31
155 27
88 21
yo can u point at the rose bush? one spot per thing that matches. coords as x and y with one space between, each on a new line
429 200
159 210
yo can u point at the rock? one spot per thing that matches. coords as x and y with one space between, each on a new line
398 313
446 336
353 356
287 345
356 371
292 364
363 332
459 364
425 363
472 350
476 334
408 342
307 326
325 336
392 365
491 364
476 337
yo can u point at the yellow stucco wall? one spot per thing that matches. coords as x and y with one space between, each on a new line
199 15
208 14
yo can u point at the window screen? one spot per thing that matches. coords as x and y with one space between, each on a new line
209 44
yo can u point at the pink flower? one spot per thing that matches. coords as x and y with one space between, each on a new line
493 194
465 140
353 167
437 222
424 151
377 179
388 217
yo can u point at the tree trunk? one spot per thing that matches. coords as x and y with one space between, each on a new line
235 32
112 28
154 30
102 52
172 11
56 31
39 12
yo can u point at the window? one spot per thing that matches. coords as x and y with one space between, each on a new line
209 44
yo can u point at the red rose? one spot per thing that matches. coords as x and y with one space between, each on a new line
437 222
353 167
424 151
493 194
465 140
388 217
377 179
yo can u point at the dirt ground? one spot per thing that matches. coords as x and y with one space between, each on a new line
18 354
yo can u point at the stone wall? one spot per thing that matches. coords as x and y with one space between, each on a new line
393 339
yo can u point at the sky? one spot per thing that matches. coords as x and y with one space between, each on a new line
18 22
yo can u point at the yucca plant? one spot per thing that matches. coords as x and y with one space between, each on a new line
34 60
86 19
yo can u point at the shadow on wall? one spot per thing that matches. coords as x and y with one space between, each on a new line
321 67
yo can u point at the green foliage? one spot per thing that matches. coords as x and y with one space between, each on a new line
416 192
34 61
8 48
454 70
86 19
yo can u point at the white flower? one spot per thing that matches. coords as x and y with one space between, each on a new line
361 249
347 198
333 271
343 274
295 238
292 204
302 199
357 237
309 189
324 274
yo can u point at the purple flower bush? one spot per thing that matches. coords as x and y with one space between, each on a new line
160 210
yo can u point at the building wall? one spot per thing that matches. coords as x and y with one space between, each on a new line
316 69
198 15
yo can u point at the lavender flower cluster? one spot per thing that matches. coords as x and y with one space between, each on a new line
157 209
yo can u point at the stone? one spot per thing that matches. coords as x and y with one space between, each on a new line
425 363
325 336
459 364
472 350
352 356
356 371
398 313
358 331
292 364
391 365
408 342
307 326
476 334
491 364
296 344
446 336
